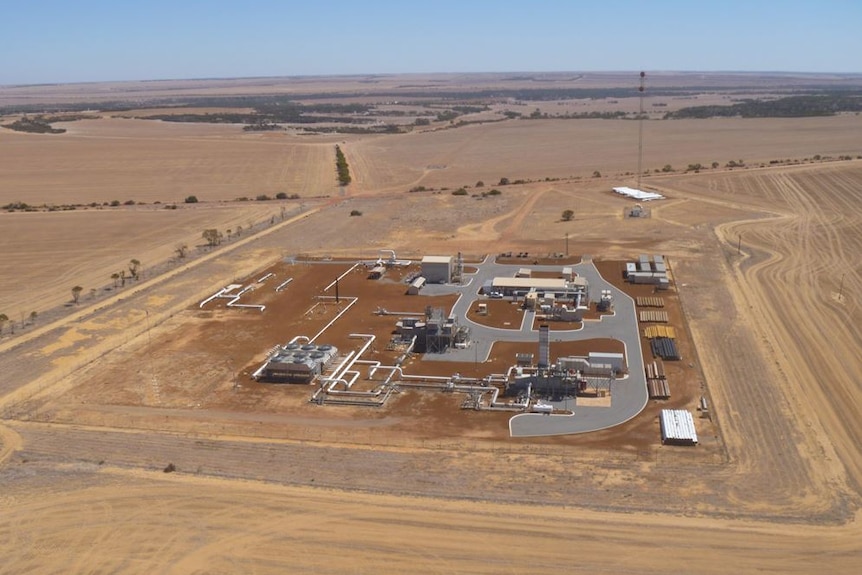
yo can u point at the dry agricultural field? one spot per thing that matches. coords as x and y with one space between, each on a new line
98 398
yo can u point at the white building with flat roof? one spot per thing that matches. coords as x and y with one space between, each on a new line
437 269
557 287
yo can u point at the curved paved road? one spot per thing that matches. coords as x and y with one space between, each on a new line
629 395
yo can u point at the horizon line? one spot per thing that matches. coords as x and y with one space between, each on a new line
395 74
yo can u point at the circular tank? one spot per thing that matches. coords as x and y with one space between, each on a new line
292 346
309 347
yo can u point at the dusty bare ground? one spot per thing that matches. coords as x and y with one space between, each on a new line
766 264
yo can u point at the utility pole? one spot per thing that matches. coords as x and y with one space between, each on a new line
567 244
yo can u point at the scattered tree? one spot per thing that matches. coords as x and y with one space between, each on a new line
667 168
212 236
238 231
280 196
134 265
504 182
76 293
115 203
191 199
715 165
3 319
116 277
568 215
460 192
181 249
355 213
597 174
480 184
33 316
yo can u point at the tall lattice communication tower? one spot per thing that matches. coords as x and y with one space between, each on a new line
641 89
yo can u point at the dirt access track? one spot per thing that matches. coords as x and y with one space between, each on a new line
766 263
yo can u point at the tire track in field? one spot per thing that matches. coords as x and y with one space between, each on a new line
787 309
819 353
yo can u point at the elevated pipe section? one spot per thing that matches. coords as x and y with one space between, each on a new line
353 300
343 371
353 267
225 293
283 284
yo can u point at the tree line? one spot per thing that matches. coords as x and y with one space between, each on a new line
342 167
789 107
4 319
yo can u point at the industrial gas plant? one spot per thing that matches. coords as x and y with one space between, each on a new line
568 303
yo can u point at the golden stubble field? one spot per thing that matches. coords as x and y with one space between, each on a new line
767 268
150 164
127 160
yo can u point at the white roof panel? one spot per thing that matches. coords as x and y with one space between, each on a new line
526 283
677 425
638 194
436 259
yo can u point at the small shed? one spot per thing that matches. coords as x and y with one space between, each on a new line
416 285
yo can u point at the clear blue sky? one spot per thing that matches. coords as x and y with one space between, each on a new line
44 41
